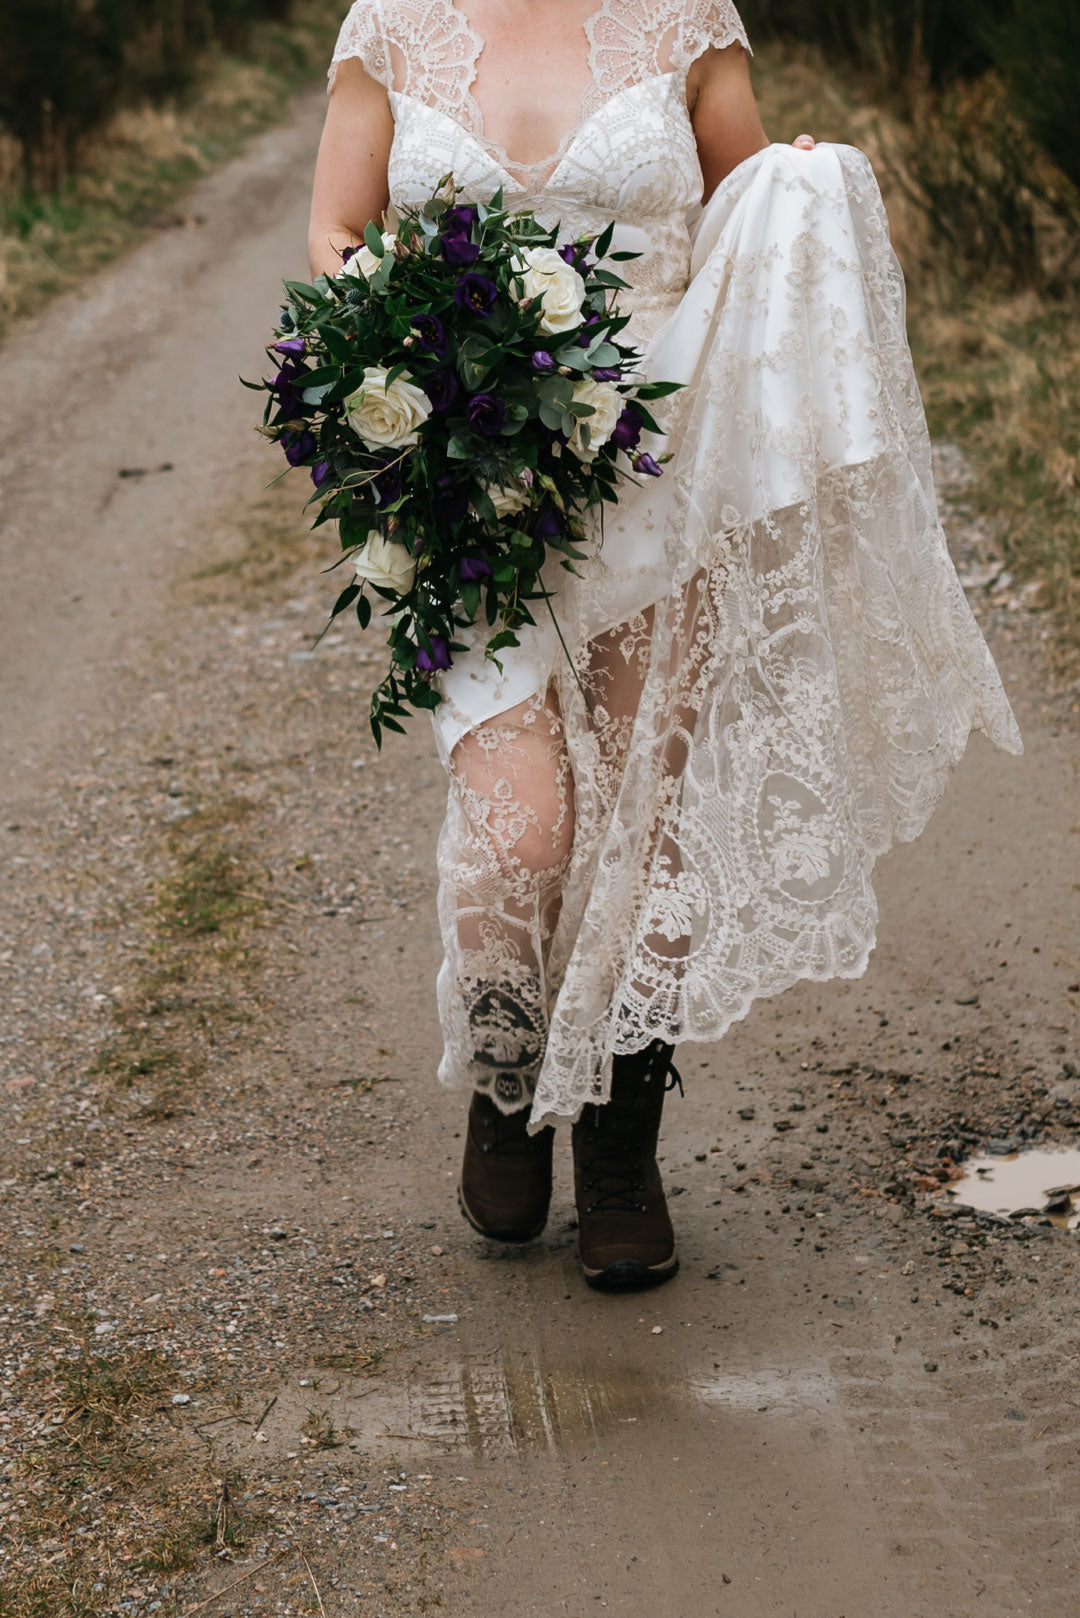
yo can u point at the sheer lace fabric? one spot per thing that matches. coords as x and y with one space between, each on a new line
774 665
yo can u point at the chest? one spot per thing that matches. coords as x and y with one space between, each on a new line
571 97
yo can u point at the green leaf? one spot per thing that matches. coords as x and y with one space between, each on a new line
555 389
620 258
604 354
302 290
482 501
373 240
608 278
603 241
658 390
575 357
363 611
457 448
550 415
315 396
345 599
337 344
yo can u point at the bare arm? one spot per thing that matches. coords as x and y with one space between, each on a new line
724 114
350 176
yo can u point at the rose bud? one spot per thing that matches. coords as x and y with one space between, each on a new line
646 464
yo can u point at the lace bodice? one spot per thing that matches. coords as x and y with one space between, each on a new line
630 155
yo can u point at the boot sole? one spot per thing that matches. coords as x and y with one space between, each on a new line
626 1275
498 1235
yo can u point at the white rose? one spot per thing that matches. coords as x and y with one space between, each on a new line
382 562
363 263
506 500
387 417
557 284
607 403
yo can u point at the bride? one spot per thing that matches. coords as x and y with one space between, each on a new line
774 665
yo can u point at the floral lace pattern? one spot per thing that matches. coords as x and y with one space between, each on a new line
775 668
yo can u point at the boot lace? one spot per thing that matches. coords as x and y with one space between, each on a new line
614 1173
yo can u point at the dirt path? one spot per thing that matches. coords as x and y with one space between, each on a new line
249 1346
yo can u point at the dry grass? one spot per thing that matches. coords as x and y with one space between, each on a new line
137 171
999 368
104 1490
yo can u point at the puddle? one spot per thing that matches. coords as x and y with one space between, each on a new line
489 1408
1043 1182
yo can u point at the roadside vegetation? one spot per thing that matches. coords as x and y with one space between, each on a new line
111 109
967 111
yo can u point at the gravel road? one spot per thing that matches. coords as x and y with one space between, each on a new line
254 1362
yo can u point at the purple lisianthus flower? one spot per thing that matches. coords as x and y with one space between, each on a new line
487 414
290 345
319 473
626 432
298 446
606 373
284 385
453 500
472 568
439 656
459 250
441 388
575 254
542 360
387 481
477 293
347 253
457 246
585 336
646 464
459 220
548 523
431 332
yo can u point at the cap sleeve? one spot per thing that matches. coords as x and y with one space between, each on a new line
363 36
706 23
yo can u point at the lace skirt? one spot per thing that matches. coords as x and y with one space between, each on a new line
770 669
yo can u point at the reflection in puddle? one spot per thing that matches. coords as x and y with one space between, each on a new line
1045 1182
493 1409
489 1408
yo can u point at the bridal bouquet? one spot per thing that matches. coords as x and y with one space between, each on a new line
461 398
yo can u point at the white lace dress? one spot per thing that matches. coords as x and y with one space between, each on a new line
781 665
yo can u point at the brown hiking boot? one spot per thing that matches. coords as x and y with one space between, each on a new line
505 1186
624 1230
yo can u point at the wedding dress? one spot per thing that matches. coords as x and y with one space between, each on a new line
774 665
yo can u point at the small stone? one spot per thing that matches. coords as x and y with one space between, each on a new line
76 1247
437 1252
181 1398
930 1365
656 1331
747 1113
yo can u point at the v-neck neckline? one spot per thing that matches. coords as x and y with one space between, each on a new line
530 176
